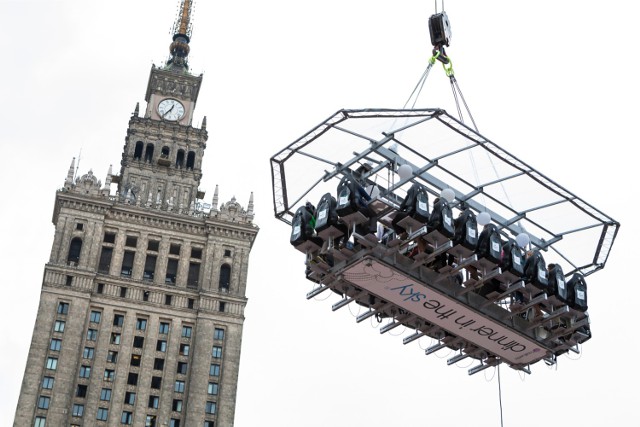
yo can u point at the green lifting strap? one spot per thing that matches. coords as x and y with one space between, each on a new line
448 70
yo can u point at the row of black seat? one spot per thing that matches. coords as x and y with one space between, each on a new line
309 223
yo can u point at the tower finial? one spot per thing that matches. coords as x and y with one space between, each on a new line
179 48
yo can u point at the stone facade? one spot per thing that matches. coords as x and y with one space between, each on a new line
142 304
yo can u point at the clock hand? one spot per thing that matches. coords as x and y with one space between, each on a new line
168 111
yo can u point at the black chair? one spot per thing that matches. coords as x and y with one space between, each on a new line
556 280
302 229
576 293
466 230
512 259
535 271
328 223
415 205
490 244
441 218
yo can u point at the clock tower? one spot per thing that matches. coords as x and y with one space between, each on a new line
141 310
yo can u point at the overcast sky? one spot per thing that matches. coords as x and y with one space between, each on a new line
553 82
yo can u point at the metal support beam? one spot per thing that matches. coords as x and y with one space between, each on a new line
317 291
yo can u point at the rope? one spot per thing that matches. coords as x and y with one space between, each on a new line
500 396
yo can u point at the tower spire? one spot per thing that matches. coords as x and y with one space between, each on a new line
179 47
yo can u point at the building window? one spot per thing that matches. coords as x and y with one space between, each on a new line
129 398
81 390
100 288
186 331
40 422
212 388
148 153
127 263
161 345
164 328
217 352
174 422
208 423
225 278
149 268
191 160
135 360
118 320
103 414
92 334
190 303
109 237
112 356
47 383
196 253
115 338
150 421
167 299
158 364
137 152
222 306
77 410
214 370
95 316
104 265
69 280
141 324
105 394
75 247
132 378
43 402
58 326
145 296
179 387
153 402
127 418
172 271
85 371
210 407
63 308
227 253
52 363
194 274
177 405
87 353
218 334
123 292
184 349
55 344
109 375
131 241
174 249
153 245
182 368
156 382
180 159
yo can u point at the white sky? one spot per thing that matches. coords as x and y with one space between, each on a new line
555 83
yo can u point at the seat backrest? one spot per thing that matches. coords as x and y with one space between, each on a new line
556 280
326 214
301 226
490 244
577 292
441 218
512 258
347 193
466 229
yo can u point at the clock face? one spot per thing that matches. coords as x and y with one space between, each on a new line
171 109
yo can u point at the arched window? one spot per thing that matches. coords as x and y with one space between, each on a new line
165 152
180 159
148 154
137 154
191 160
225 278
74 251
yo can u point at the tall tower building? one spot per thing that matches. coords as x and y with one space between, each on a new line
141 311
